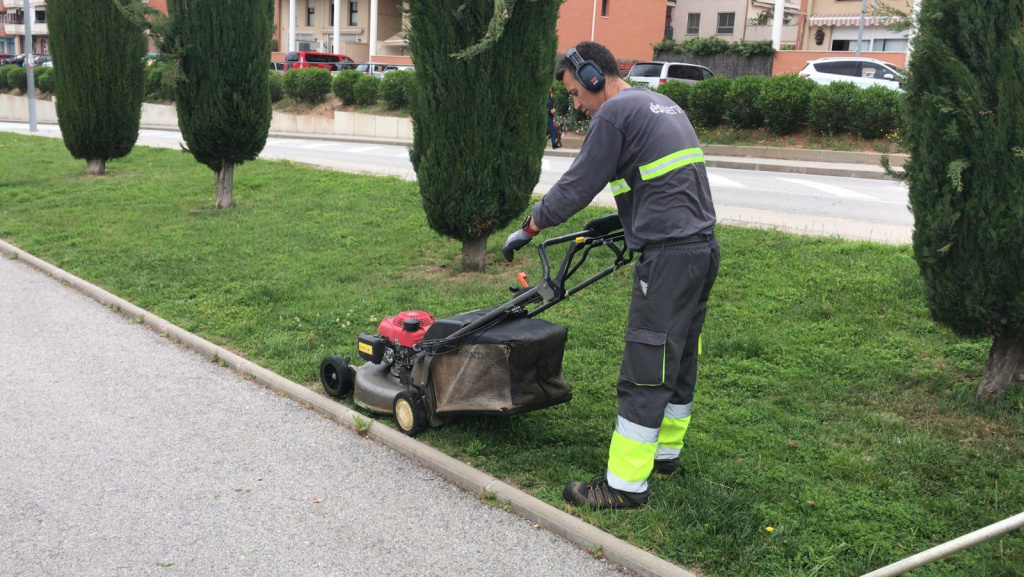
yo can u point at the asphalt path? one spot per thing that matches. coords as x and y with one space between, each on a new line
122 453
857 208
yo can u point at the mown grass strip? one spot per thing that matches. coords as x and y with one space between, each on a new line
829 408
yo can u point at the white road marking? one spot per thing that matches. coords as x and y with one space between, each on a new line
717 180
829 189
362 149
316 145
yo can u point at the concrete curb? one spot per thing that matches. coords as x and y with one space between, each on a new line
472 480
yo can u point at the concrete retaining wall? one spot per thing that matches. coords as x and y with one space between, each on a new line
15 108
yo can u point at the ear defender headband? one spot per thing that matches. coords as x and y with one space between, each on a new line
585 71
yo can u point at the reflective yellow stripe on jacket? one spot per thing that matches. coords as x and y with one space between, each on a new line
619 186
674 161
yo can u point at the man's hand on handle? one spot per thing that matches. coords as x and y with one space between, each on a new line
519 238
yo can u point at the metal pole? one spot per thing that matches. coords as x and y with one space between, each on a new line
30 67
860 29
372 23
913 30
337 26
291 25
780 13
947 549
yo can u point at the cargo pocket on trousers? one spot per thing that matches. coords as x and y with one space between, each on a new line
643 362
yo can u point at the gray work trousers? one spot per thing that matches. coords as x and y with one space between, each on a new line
671 285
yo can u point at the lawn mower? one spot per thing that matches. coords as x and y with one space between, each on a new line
493 361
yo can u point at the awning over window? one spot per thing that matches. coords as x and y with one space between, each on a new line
397 40
849 20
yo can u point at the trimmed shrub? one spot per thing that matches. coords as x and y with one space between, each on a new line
45 80
705 46
784 101
565 113
393 88
877 111
275 82
307 84
831 106
679 92
4 85
741 102
367 90
18 78
344 85
707 101
160 81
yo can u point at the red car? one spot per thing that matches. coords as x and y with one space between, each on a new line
332 62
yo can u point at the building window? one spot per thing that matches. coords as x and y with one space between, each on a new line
850 45
891 45
693 23
726 22
604 8
353 13
310 12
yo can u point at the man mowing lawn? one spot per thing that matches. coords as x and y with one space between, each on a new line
645 147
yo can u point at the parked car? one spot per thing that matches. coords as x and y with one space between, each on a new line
371 68
281 67
16 60
863 72
332 62
393 67
656 73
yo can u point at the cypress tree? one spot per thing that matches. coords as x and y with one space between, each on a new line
97 58
223 96
480 121
965 132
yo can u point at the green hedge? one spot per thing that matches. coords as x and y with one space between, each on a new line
394 88
44 80
715 45
275 83
707 102
307 84
17 77
741 102
679 92
344 85
879 112
832 107
367 90
3 76
160 81
784 101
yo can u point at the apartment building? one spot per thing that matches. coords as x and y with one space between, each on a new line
12 27
833 25
734 20
372 30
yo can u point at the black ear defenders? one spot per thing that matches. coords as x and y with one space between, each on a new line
585 71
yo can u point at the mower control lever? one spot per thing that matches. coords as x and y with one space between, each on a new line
522 279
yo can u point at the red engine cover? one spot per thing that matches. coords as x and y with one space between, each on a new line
392 327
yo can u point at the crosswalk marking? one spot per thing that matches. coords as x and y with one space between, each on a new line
362 149
317 145
828 188
717 180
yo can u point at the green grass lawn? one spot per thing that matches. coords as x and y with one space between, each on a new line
830 408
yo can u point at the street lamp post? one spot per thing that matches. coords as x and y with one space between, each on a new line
30 67
860 29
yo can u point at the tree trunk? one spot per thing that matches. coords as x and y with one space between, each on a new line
1005 366
96 166
474 254
225 183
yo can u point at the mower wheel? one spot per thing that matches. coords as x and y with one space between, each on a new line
337 376
409 413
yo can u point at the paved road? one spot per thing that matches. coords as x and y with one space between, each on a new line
850 207
124 454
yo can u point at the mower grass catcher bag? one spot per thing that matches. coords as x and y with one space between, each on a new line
513 367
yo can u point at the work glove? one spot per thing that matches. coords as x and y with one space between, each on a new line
517 240
604 225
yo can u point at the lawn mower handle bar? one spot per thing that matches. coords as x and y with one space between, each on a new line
554 291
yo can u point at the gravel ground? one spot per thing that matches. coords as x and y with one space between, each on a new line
122 453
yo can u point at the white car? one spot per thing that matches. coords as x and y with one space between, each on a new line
863 72
656 73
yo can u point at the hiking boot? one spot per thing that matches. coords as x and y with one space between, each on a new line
666 466
599 495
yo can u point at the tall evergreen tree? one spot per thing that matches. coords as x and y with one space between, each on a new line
965 131
223 97
480 119
97 59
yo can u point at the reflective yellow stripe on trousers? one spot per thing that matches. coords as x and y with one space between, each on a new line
631 456
673 429
667 164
